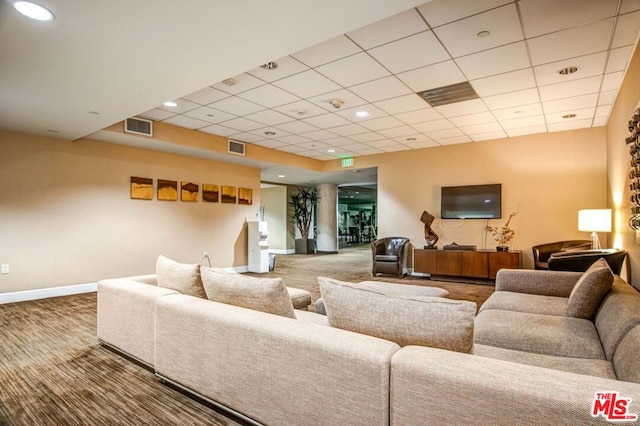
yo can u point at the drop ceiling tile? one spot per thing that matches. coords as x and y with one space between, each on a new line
329 51
468 120
384 88
396 132
603 110
409 53
395 148
481 128
349 129
206 96
580 114
236 106
488 136
546 16
570 43
389 29
462 108
350 99
420 116
350 113
382 143
182 107
314 145
441 12
243 82
318 135
218 130
454 140
435 125
627 30
301 109
337 142
504 83
297 127
269 117
524 131
599 121
265 133
286 66
607 97
269 96
354 147
427 143
588 65
629 6
536 120
573 88
242 124
187 122
568 104
401 104
412 139
353 70
461 37
502 59
432 76
307 84
292 149
571 125
326 121
247 137
156 114
518 111
209 115
618 59
612 81
322 156
367 137
382 123
273 144
507 100
370 151
293 139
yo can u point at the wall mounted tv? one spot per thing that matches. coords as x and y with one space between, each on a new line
471 202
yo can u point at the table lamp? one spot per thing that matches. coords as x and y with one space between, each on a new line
594 221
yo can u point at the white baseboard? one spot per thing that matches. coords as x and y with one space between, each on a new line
280 251
44 293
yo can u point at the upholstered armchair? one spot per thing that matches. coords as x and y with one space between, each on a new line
389 256
542 252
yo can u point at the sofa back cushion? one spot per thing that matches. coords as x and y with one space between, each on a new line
618 314
418 320
626 360
261 294
182 277
591 288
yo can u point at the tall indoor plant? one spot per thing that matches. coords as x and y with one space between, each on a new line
303 203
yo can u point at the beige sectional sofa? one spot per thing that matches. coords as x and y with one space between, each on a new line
283 371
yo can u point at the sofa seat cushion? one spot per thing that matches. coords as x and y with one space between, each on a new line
591 288
386 258
182 277
426 321
523 302
301 299
589 367
543 334
261 294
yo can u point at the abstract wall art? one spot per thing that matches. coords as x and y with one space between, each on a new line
141 188
210 193
189 191
167 190
229 194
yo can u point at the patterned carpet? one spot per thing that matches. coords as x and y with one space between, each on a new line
54 372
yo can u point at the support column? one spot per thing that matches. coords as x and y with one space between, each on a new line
327 218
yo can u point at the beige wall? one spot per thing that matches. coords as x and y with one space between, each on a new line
549 176
275 201
66 216
618 167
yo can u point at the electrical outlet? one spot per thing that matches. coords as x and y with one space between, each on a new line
5 268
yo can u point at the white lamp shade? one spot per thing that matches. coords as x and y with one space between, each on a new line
594 220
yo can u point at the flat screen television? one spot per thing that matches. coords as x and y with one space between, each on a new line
471 202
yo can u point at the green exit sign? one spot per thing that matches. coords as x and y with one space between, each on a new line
347 162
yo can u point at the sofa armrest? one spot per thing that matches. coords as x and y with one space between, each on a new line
151 279
433 387
545 283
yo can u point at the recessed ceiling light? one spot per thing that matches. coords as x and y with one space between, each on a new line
269 133
412 139
53 131
483 34
331 150
567 70
269 66
170 104
362 114
210 115
230 81
568 116
281 176
33 10
94 113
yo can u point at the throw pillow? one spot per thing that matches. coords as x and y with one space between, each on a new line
406 320
181 277
591 288
261 294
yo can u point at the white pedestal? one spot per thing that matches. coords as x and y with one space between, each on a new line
258 247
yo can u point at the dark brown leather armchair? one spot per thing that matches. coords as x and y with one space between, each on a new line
542 252
579 261
389 256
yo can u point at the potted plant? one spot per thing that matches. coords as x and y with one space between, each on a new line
504 234
303 203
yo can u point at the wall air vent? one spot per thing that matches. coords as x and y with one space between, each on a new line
236 147
449 94
138 126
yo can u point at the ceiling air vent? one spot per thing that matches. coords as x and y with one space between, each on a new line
236 147
139 126
449 94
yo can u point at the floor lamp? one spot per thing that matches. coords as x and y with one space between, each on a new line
594 221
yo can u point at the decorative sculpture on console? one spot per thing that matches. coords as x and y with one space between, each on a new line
429 234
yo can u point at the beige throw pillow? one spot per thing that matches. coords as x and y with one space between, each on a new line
181 277
591 288
261 294
421 320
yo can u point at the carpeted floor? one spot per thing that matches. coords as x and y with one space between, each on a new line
54 372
